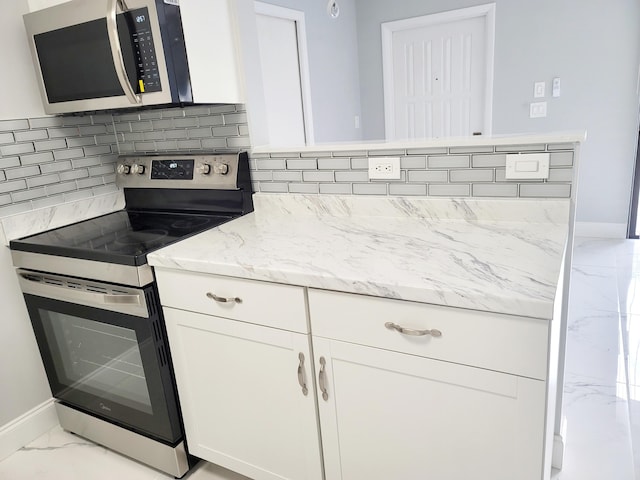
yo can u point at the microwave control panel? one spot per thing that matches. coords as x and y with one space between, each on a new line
144 51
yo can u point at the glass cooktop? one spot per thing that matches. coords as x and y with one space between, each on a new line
123 237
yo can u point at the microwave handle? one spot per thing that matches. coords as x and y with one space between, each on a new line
116 50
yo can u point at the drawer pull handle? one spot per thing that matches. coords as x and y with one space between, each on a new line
322 379
301 376
413 333
218 299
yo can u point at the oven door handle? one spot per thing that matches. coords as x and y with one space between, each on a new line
56 287
116 50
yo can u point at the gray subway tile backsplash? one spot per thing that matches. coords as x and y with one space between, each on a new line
428 176
48 160
546 190
336 188
471 175
301 163
370 188
407 189
494 190
449 190
334 163
446 161
481 161
441 172
308 188
74 157
561 159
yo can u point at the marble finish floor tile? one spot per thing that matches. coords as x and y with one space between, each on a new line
59 455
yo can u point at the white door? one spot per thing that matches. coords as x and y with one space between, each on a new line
436 77
242 401
388 415
282 54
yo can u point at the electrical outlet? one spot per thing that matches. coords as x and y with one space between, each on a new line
384 168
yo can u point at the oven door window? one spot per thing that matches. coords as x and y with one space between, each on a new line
98 359
109 364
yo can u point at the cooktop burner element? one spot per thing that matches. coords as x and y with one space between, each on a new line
122 237
168 198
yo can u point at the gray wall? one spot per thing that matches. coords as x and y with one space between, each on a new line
594 46
333 65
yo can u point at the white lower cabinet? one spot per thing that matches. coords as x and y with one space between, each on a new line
241 351
401 396
242 401
393 390
388 415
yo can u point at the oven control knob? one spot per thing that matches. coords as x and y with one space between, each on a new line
123 169
204 169
139 169
221 168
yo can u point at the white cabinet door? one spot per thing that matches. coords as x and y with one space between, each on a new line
242 403
389 415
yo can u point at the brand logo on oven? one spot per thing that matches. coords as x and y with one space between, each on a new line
105 407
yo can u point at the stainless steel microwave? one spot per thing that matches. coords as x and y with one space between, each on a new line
109 54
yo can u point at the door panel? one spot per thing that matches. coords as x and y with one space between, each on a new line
242 403
278 45
391 415
439 79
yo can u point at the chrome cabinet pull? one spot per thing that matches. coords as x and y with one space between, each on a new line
411 332
322 379
218 299
301 376
116 50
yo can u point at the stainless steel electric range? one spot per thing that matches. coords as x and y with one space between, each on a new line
94 307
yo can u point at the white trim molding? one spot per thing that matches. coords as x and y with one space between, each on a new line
487 11
558 448
26 428
601 230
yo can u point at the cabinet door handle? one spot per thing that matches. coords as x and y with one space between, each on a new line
301 375
218 299
322 379
413 333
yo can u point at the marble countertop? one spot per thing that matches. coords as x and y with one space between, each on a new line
490 255
39 220
472 141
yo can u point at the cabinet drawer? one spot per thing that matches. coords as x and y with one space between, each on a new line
261 303
504 343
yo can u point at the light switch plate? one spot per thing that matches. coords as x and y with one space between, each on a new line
523 166
556 87
538 89
538 110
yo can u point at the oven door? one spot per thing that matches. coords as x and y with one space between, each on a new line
91 55
104 351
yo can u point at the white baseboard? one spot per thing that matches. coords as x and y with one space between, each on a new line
557 452
26 428
601 230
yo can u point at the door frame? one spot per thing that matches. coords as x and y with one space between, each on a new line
487 11
296 16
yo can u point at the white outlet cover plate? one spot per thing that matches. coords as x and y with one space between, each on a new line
384 168
527 166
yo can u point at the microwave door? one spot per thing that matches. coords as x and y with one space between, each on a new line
89 58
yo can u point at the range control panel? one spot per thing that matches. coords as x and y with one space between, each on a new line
178 171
